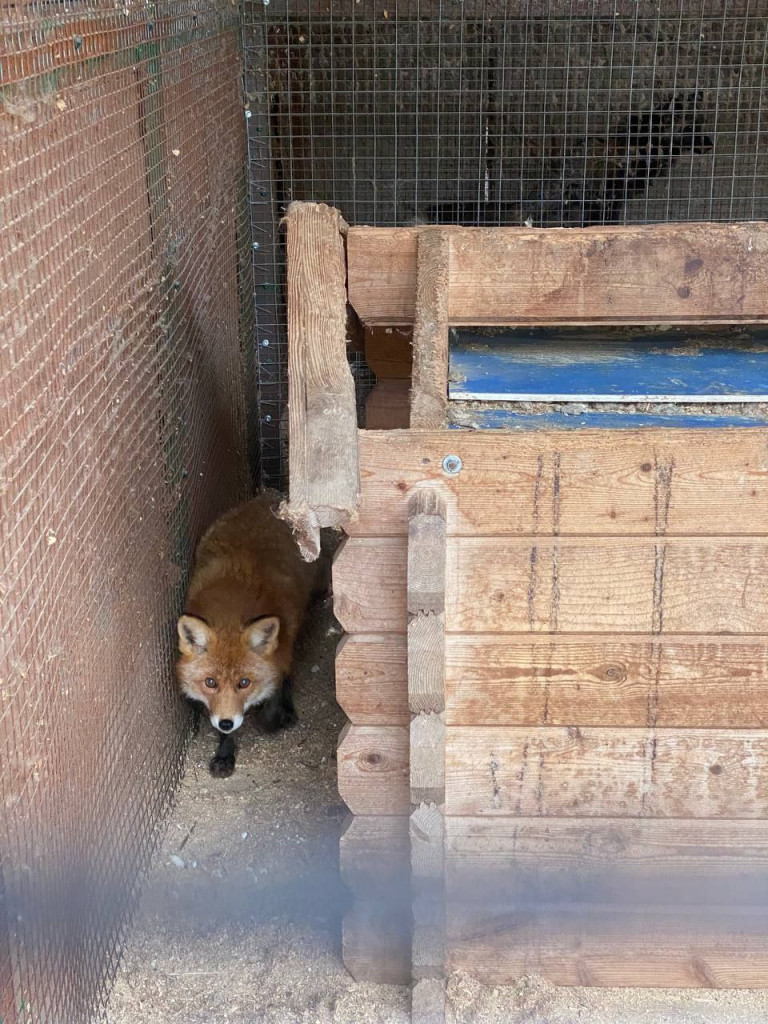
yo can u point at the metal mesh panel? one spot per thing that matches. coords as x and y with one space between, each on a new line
566 112
123 425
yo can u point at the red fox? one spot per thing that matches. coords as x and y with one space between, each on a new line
245 604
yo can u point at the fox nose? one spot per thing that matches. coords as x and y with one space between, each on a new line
226 724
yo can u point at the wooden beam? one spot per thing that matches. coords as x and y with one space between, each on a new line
651 947
426 677
375 857
619 861
634 274
372 679
389 353
388 407
676 682
587 482
376 943
580 585
590 772
323 472
373 769
429 383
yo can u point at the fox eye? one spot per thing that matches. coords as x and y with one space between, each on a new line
244 684
210 683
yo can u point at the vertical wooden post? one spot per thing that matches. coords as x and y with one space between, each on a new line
429 387
323 470
426 696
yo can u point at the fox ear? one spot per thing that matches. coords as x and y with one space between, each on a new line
194 635
261 634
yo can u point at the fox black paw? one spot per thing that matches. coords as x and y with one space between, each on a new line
278 716
222 767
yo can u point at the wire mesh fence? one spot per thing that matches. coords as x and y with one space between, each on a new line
124 331
559 113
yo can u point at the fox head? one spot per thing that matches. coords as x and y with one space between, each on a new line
228 670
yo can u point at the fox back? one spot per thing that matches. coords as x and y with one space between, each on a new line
245 604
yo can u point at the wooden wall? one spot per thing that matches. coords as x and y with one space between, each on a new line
606 704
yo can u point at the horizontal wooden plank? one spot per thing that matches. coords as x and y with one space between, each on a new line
592 366
592 483
572 585
625 773
372 679
581 585
610 681
638 274
373 769
370 585
375 856
661 947
606 860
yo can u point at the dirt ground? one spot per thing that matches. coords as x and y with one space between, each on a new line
240 920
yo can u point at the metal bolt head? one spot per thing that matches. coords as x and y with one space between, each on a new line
255 245
249 113
452 464
265 342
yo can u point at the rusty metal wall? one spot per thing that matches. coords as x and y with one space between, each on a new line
124 345
561 112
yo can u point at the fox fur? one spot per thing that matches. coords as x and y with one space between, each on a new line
245 604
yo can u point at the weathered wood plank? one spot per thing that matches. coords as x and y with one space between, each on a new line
324 477
428 1001
376 942
626 773
582 585
571 275
369 585
373 769
656 947
649 482
525 861
427 873
708 682
426 602
429 381
427 756
569 585
372 679
375 857
388 407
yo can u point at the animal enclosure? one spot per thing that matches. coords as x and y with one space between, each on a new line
555 661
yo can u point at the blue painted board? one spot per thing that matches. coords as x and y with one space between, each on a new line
548 366
505 419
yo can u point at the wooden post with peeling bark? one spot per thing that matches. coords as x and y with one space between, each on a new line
426 696
324 478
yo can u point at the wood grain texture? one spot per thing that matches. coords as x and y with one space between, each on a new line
646 482
632 274
373 769
428 1001
658 947
388 407
426 604
627 773
569 585
324 476
709 682
581 585
370 585
372 679
427 865
525 861
427 758
376 942
429 379
374 857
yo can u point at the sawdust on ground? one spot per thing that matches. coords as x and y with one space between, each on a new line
240 920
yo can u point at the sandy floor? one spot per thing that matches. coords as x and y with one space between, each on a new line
240 919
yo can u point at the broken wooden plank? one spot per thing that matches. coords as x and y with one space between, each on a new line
619 861
585 772
544 276
372 679
429 380
709 682
652 947
373 769
651 482
323 473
